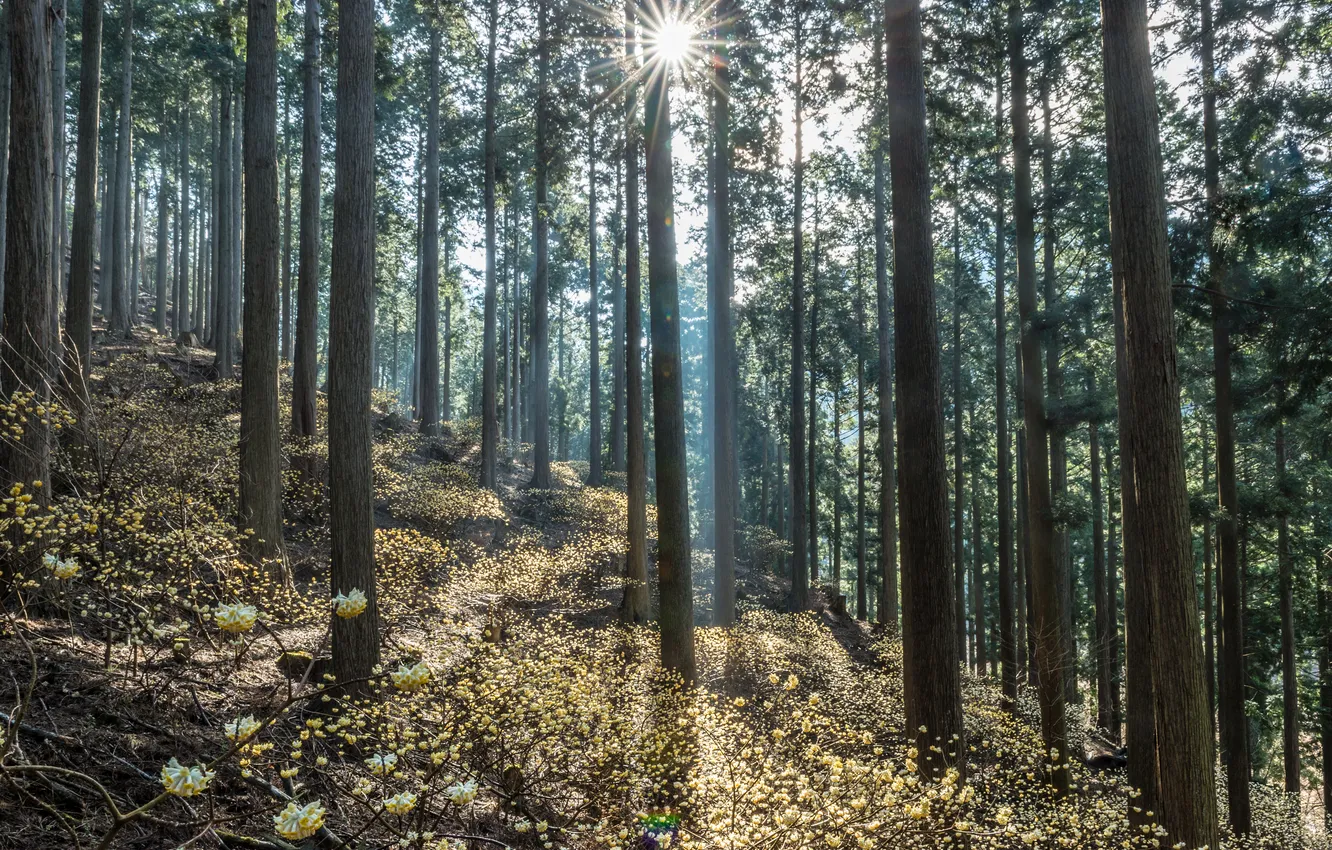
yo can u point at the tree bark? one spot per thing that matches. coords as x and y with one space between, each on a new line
673 565
1008 648
1100 584
304 368
224 331
83 236
861 589
959 479
123 299
1048 601
58 157
931 678
594 476
617 327
163 228
540 408
888 597
1151 420
260 434
1290 712
799 599
724 480
350 320
634 608
285 348
428 354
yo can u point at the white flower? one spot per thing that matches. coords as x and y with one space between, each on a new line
185 781
410 678
296 822
235 618
351 604
462 793
382 763
242 728
400 804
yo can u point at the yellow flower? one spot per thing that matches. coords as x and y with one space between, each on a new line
235 618
296 822
400 804
410 678
65 570
351 604
382 763
185 781
242 728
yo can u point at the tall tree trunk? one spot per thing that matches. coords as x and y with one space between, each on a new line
237 219
260 433
1026 635
286 230
959 482
634 608
304 369
888 606
673 567
1209 607
931 679
724 465
350 323
1008 647
163 228
594 477
25 357
1046 596
123 299
1100 585
1325 693
799 521
428 354
180 302
1290 712
83 236
861 590
58 157
813 481
224 331
1233 721
1152 422
977 564
540 352
617 327
5 65
1112 605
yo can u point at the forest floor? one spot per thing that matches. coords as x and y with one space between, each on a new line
515 710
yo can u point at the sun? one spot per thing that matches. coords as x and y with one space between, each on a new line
672 41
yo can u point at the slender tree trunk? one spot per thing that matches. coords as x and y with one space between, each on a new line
428 353
1233 721
617 328
1048 601
83 236
58 157
350 322
1008 648
1026 635
799 521
224 331
812 483
977 565
888 605
724 466
634 608
540 352
25 355
673 567
959 482
5 65
931 679
260 433
180 302
1112 606
594 476
107 214
1209 607
861 590
1325 693
1151 420
304 370
286 230
122 297
1100 585
1290 714
163 229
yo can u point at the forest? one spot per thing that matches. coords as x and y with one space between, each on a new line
718 424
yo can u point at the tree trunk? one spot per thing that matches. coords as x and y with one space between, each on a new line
1151 420
1112 607
1230 696
1209 607
594 477
1008 647
58 158
540 408
25 357
304 368
799 599
724 466
931 679
673 566
83 236
260 433
959 482
428 353
980 656
861 590
163 228
5 65
1048 602
812 482
350 322
888 604
1100 586
617 328
1290 713
634 608
286 231
1325 694
224 332
123 299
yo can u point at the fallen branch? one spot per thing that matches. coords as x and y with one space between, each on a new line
231 839
38 732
